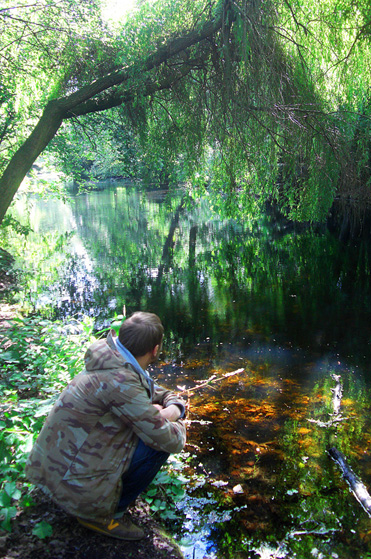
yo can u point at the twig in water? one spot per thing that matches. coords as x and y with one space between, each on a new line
212 380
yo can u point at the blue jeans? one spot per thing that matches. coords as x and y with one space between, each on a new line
144 465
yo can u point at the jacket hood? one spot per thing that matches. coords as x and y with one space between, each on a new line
103 354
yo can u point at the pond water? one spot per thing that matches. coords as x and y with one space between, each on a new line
288 305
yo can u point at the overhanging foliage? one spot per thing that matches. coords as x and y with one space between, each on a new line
257 99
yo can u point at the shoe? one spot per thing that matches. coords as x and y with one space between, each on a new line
121 528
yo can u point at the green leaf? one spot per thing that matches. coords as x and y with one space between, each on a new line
42 530
159 505
5 500
169 515
163 477
178 492
44 409
186 541
8 513
9 357
11 490
27 501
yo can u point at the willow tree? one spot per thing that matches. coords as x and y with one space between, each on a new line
138 71
237 90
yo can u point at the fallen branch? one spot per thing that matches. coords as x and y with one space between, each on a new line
212 380
319 532
275 554
329 423
358 489
337 394
336 416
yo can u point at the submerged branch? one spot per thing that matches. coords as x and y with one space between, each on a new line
337 394
327 424
358 489
336 416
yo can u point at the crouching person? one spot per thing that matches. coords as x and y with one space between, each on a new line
110 431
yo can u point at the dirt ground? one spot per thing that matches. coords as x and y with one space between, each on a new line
71 540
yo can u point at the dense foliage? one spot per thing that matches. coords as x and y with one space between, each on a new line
252 99
37 359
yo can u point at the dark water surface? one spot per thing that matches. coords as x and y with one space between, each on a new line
289 305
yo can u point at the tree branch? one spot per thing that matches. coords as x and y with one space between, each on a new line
119 98
154 60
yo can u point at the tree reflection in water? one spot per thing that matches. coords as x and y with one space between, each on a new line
289 304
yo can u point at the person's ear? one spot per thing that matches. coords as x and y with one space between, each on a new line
156 350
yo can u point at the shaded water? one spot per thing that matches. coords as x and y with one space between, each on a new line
289 305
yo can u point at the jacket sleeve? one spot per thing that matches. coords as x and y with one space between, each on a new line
131 403
166 398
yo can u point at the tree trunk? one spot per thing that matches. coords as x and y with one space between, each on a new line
27 154
167 252
84 101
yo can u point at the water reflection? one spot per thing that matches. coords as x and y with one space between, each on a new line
292 497
289 305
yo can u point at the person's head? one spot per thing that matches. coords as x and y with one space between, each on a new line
141 333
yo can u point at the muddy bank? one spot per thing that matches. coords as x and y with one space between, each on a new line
71 540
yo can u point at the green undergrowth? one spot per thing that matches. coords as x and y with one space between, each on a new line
168 488
37 359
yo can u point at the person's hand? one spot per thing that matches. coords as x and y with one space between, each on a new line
171 413
158 407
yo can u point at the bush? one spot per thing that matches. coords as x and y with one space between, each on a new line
37 360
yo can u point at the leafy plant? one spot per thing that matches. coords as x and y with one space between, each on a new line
8 495
42 530
37 359
167 489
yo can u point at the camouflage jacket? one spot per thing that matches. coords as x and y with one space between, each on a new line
90 435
